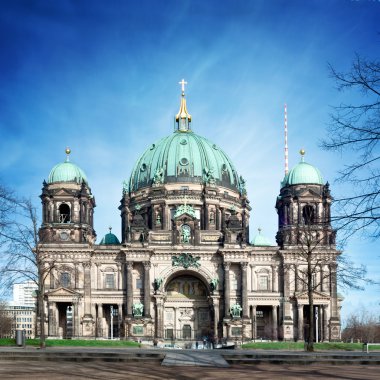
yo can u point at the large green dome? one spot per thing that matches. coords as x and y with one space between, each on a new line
67 172
183 157
303 173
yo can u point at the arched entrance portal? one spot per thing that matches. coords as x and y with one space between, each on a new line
187 313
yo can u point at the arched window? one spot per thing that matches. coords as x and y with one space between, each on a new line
64 213
308 214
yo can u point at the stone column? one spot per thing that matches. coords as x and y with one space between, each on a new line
274 279
159 318
52 306
147 289
217 218
100 320
324 329
215 302
333 291
129 288
87 288
300 322
254 323
274 322
120 318
253 285
119 282
98 276
244 289
227 290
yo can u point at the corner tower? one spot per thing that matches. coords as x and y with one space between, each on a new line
67 205
304 200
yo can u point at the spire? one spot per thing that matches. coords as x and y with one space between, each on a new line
67 151
183 118
286 141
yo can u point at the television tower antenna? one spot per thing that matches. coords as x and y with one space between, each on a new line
286 141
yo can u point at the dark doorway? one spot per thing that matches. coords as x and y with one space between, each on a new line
66 319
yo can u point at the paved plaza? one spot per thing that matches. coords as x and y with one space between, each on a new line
103 370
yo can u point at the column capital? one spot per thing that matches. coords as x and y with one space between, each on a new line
147 265
226 266
129 264
244 265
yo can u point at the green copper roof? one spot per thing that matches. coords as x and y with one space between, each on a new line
183 157
303 173
260 241
67 172
109 239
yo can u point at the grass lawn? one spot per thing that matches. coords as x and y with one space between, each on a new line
300 346
72 343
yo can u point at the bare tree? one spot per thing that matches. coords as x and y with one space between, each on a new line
5 321
362 327
309 274
355 128
319 267
22 257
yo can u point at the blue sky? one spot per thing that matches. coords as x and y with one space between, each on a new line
102 77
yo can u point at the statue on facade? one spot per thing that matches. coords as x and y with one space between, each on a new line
158 178
235 310
137 309
125 187
214 284
185 234
242 183
157 283
209 176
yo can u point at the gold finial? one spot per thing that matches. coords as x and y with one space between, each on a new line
259 229
67 151
182 113
302 153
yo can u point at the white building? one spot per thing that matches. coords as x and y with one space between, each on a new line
23 294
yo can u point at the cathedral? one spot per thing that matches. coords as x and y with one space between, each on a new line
185 269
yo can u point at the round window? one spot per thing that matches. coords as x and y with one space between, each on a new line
143 167
184 161
224 167
183 141
152 147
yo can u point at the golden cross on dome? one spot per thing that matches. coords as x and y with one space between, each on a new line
182 83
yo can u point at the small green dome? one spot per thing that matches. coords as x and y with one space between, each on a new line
67 172
110 239
303 173
184 157
260 240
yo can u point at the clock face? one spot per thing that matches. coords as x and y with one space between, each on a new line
64 236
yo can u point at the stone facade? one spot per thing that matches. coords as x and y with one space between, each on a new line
184 268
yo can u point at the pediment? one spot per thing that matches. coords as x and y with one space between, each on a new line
317 296
62 292
185 215
308 193
63 192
